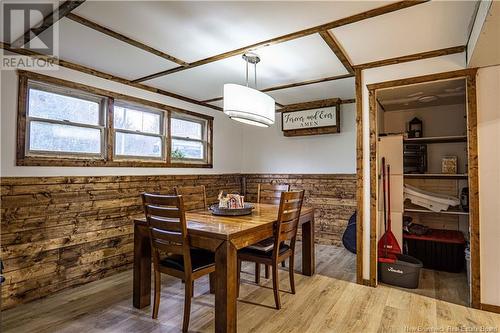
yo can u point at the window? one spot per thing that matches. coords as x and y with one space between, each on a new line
64 122
188 139
138 132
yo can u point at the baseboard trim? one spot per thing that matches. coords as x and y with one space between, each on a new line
367 283
490 308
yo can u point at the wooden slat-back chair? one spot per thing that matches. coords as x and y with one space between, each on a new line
195 197
285 231
269 194
170 248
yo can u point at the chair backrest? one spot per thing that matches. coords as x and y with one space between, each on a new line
195 197
167 225
271 193
288 217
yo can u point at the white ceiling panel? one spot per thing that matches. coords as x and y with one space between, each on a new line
85 46
425 27
294 61
196 30
343 89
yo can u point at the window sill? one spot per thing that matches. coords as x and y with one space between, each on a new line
75 162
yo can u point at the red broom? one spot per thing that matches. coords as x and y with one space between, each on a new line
388 244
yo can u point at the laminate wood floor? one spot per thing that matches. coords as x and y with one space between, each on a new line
322 304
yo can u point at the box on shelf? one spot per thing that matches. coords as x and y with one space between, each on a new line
449 164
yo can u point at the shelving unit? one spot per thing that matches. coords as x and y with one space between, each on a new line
437 139
437 175
417 209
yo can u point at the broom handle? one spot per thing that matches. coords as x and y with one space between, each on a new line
385 215
383 191
389 197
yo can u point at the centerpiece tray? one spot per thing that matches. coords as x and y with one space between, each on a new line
216 210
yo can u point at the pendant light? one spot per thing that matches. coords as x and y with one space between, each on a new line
248 105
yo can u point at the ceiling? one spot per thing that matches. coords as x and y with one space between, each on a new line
192 31
487 49
448 92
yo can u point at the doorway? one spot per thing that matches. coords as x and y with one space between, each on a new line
439 160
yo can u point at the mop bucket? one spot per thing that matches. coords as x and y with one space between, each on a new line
400 270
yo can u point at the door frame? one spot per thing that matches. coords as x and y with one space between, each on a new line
473 181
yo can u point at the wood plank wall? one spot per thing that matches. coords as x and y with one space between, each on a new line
59 232
333 196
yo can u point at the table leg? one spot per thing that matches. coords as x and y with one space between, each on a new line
142 267
212 282
308 260
225 288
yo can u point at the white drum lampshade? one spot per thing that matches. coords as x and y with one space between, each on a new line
248 105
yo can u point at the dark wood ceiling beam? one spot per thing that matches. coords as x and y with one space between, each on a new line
412 57
322 103
103 75
330 40
348 101
48 21
123 38
294 35
293 85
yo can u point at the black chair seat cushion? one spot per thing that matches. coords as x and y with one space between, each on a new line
268 254
199 259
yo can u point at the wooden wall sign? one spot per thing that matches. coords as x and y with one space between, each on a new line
311 118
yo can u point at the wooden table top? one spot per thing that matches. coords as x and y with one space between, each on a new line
203 223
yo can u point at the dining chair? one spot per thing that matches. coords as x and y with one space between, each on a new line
195 197
171 250
285 231
269 194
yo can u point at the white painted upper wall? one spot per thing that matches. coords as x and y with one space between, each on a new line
266 150
227 133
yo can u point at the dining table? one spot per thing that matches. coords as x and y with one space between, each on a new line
223 235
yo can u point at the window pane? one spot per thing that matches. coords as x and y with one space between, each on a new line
48 105
187 149
64 138
186 128
137 145
136 120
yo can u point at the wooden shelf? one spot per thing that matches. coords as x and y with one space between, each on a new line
437 139
409 208
437 175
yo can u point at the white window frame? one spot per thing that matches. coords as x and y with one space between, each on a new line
74 93
203 140
161 135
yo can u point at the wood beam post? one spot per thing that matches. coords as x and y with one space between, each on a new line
337 49
412 57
